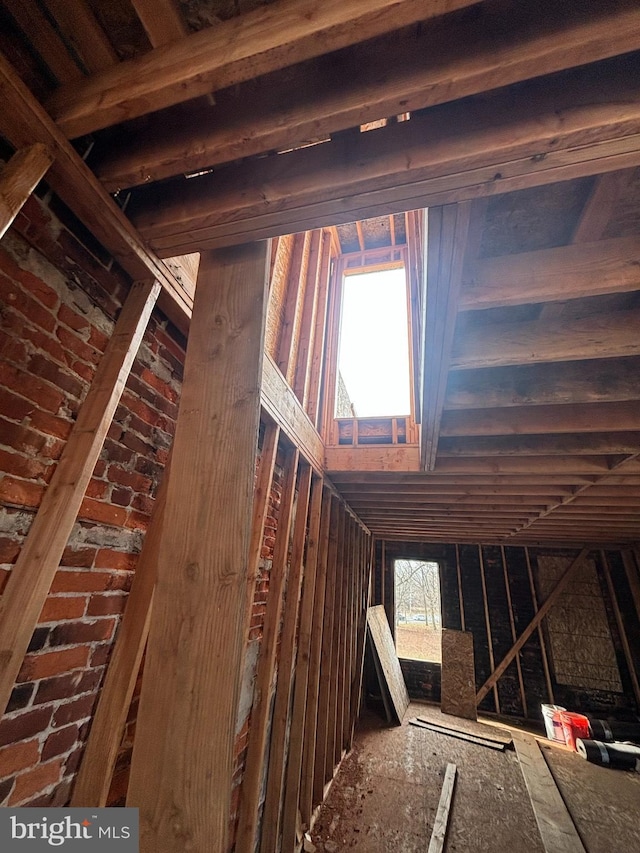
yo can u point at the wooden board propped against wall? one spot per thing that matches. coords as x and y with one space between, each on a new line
387 663
458 691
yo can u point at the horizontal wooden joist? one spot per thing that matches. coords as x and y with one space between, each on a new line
592 381
562 444
260 41
428 490
414 69
611 335
536 420
586 123
553 275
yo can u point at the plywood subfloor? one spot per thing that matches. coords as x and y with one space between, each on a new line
384 798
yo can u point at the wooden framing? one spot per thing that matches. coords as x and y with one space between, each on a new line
263 41
422 69
18 179
628 655
99 759
271 815
31 577
302 712
531 627
250 793
202 565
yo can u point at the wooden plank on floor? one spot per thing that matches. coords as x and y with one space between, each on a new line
441 824
386 651
30 579
190 690
557 829
421 723
458 689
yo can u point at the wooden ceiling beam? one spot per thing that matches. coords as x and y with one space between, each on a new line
162 20
553 275
587 124
392 492
412 71
256 43
447 229
612 335
84 33
562 444
598 208
18 178
46 40
540 420
594 381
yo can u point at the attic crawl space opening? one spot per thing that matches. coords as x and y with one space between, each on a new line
418 610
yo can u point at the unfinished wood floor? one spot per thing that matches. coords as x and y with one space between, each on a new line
386 795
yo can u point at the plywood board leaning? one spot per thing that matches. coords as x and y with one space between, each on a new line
384 649
458 691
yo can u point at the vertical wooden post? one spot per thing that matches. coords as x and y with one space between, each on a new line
324 698
314 379
513 627
19 178
183 753
99 759
487 620
318 534
317 643
330 760
308 319
628 655
363 606
256 750
30 579
543 647
279 723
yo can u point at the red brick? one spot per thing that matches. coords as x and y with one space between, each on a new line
144 503
20 697
96 489
73 343
20 301
81 558
59 687
12 349
86 371
98 339
100 655
20 438
76 710
59 742
23 726
121 496
21 466
18 757
54 799
9 550
59 608
73 761
106 558
160 386
92 510
30 387
53 663
20 492
137 520
115 452
34 781
122 477
173 346
31 282
70 633
17 407
106 605
48 370
51 424
77 322
93 581
44 342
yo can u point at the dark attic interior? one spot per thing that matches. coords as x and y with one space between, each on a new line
320 422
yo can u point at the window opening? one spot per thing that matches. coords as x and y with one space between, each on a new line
418 610
373 356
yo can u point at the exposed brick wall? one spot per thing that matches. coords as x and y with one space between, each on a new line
57 306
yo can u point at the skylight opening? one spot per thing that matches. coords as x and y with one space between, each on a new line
373 356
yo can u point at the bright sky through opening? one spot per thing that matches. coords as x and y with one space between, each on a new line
374 343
